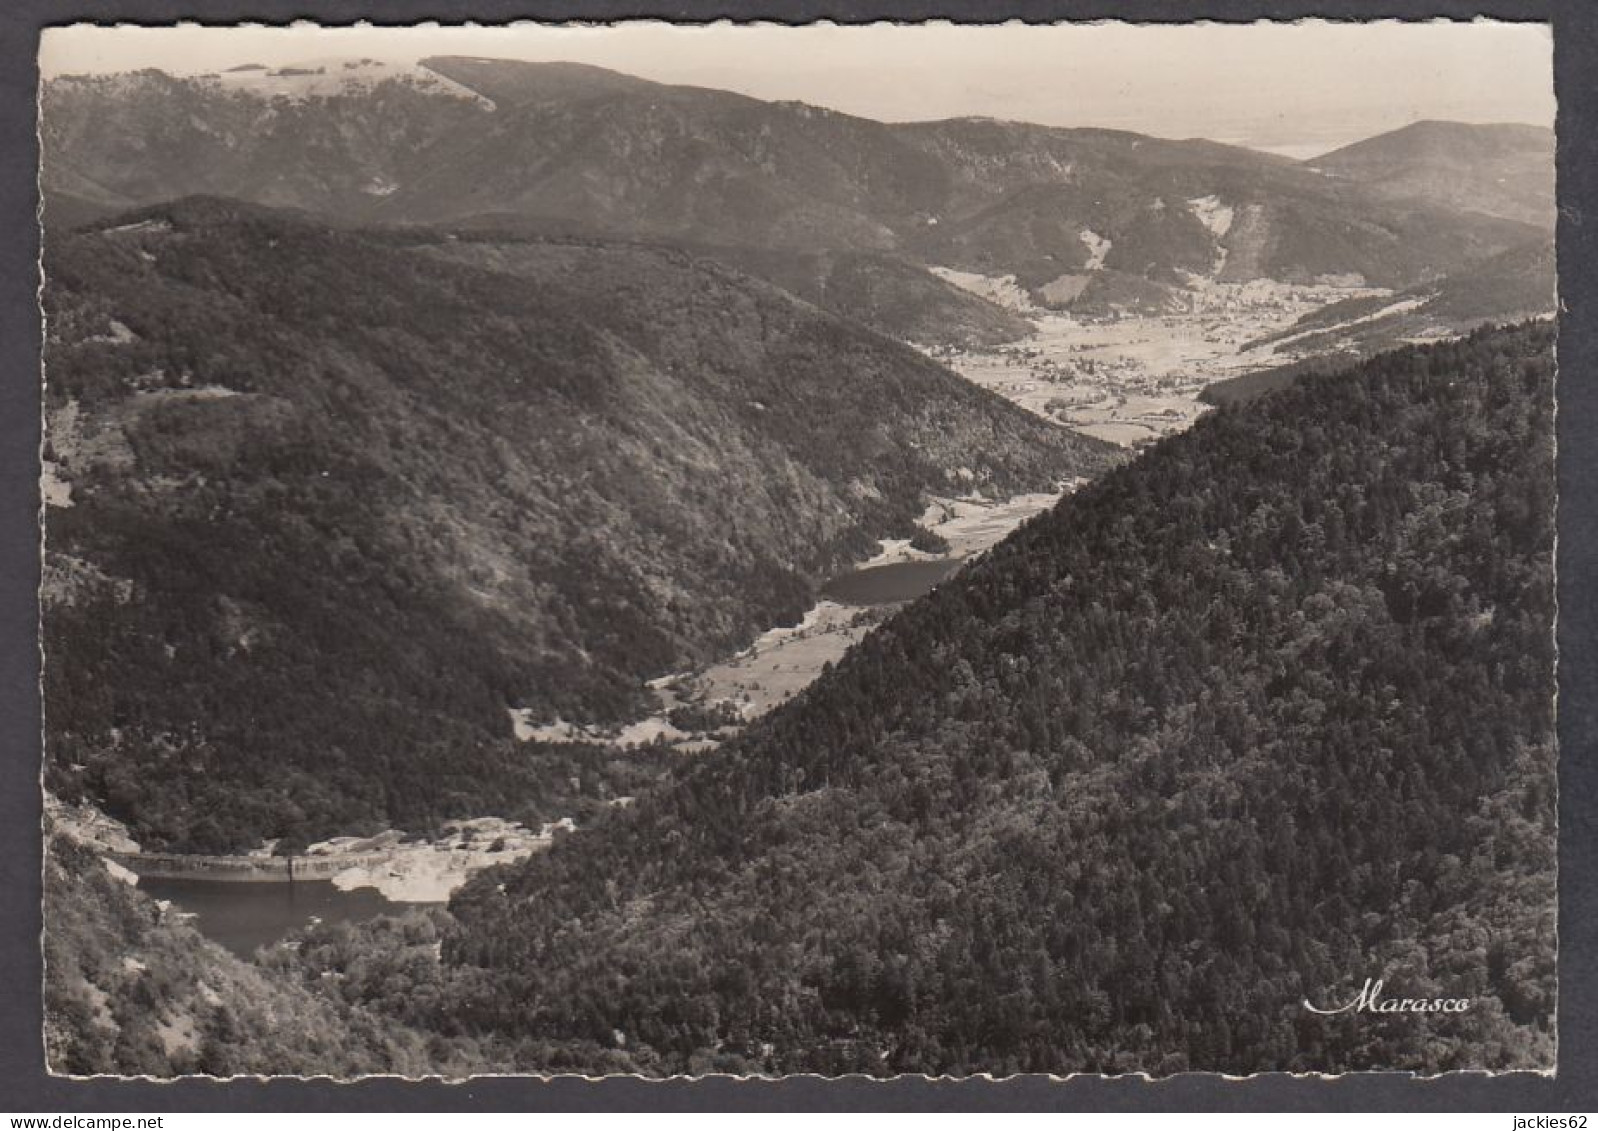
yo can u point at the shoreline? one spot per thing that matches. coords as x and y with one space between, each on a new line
401 871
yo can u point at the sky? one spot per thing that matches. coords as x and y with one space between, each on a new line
1295 88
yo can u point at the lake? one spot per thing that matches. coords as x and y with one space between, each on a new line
888 584
244 916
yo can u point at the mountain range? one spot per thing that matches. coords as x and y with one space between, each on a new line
538 381
1071 213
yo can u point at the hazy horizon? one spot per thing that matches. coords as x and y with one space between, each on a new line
1292 88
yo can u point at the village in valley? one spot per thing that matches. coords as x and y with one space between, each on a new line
1129 377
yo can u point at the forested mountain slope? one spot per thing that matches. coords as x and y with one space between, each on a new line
1262 715
894 298
328 505
891 296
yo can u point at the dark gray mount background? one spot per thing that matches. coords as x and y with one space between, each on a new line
24 1087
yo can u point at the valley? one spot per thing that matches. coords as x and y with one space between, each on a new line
1128 379
785 659
1133 378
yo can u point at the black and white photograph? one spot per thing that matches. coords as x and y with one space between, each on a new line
755 549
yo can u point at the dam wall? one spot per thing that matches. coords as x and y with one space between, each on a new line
245 869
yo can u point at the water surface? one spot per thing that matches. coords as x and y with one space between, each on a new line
244 916
888 584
